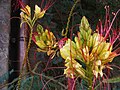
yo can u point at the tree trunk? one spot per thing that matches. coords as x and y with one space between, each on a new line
4 40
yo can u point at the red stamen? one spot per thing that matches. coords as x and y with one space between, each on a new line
116 46
42 3
15 4
48 5
100 28
106 25
117 51
23 6
108 31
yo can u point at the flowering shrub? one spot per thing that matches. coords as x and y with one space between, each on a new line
86 55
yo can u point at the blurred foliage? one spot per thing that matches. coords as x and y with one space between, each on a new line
5 76
34 83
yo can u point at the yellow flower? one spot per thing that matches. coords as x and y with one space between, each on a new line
26 15
45 40
91 49
68 50
73 68
86 54
26 10
38 12
98 68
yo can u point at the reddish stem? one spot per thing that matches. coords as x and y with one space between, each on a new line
71 84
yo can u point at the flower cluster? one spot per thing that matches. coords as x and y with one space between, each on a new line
91 49
73 68
26 14
45 40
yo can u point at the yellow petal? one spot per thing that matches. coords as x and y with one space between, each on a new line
90 42
37 9
68 50
77 43
98 62
21 14
104 55
41 44
73 68
38 12
100 47
95 73
100 71
27 10
107 46
65 52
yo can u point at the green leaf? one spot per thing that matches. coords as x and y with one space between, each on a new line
112 80
31 83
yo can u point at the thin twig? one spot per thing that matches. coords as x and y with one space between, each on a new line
68 22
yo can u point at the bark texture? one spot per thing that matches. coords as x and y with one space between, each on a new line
4 38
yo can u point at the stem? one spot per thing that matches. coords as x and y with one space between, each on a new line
64 33
90 84
90 76
71 84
